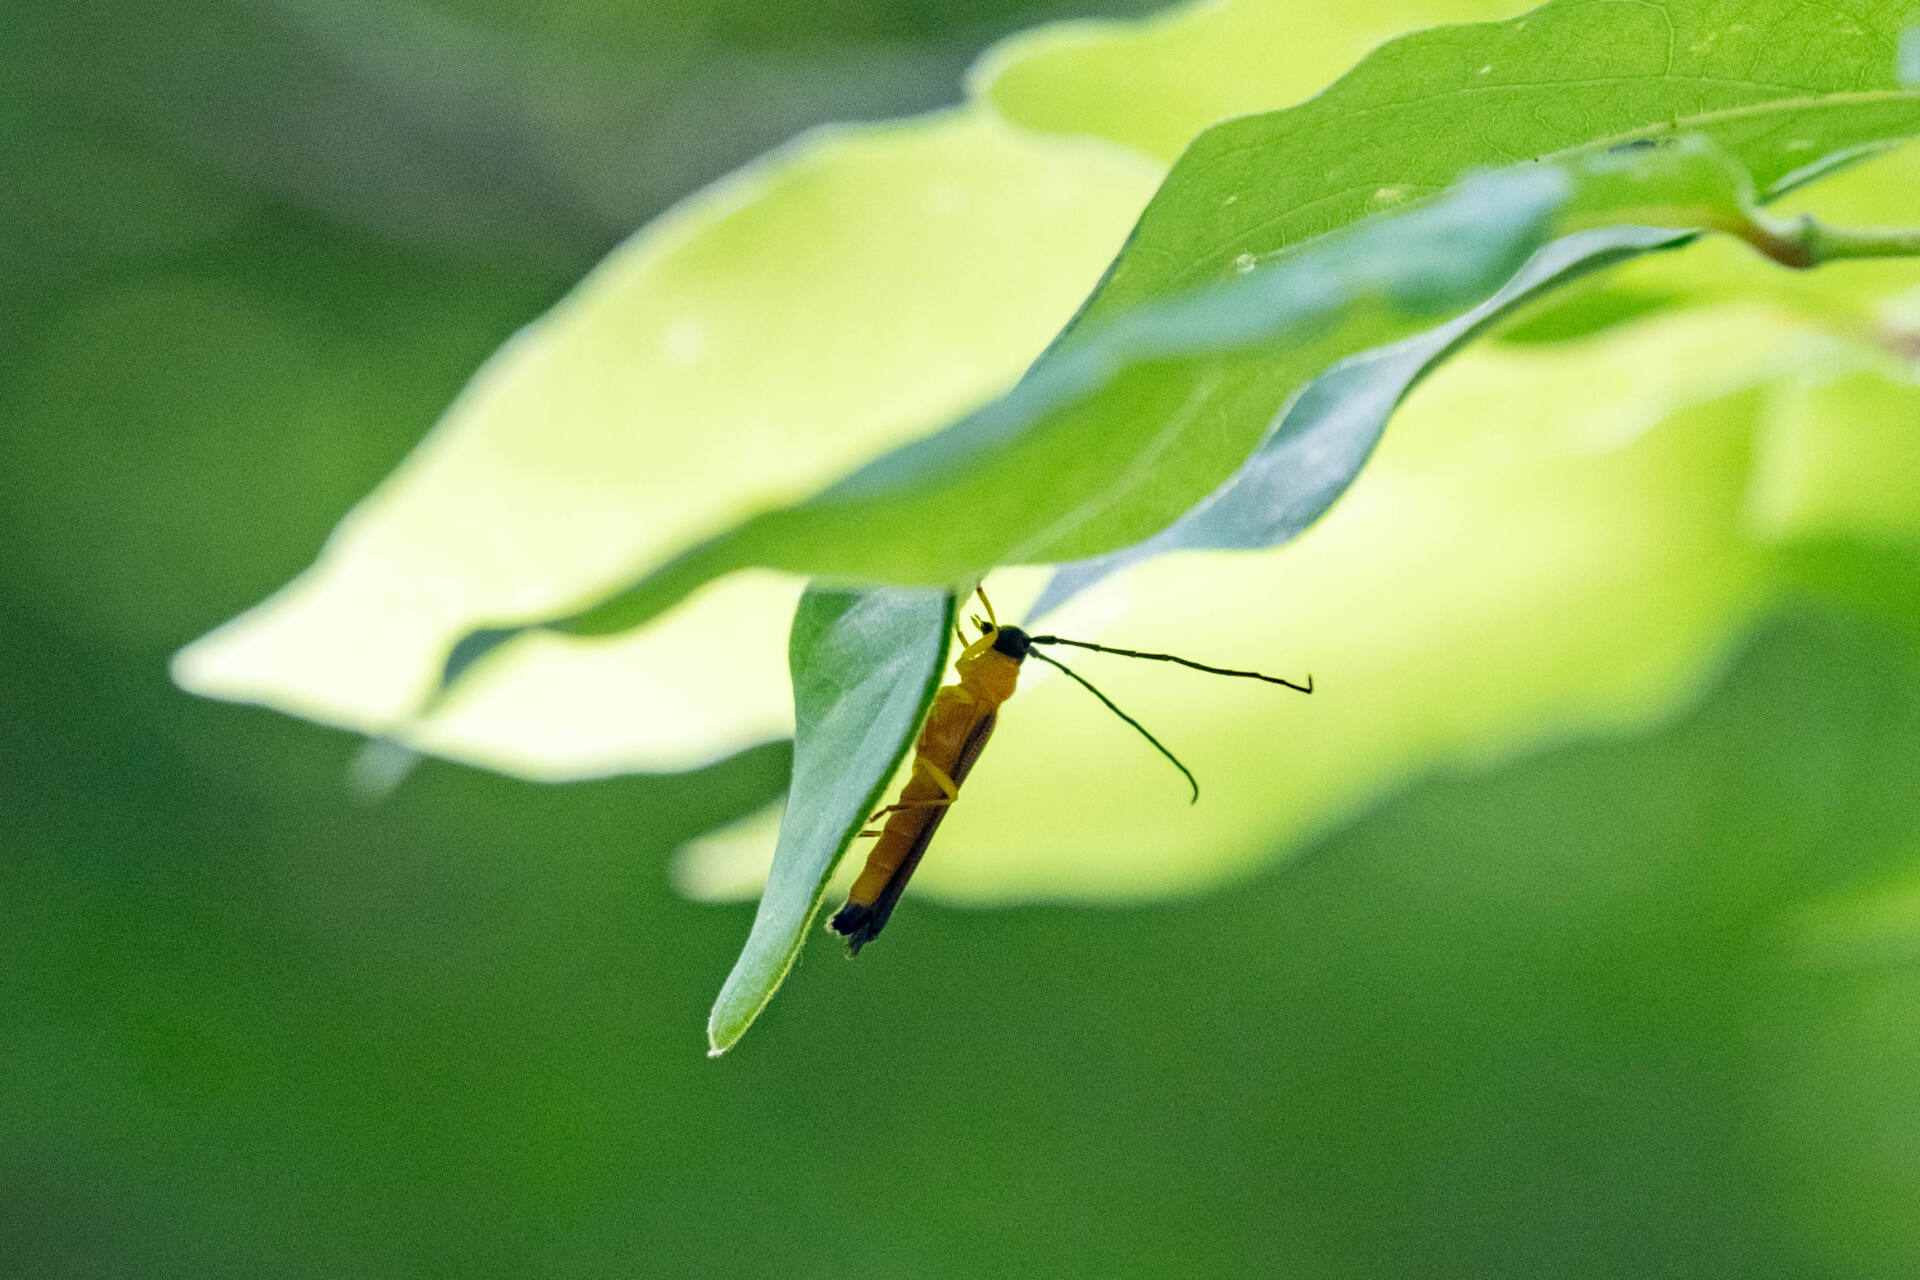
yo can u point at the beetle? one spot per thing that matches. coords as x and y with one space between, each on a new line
958 725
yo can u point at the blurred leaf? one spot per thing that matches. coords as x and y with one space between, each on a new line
977 502
1842 455
1586 308
1106 423
865 665
355 642
1155 84
772 332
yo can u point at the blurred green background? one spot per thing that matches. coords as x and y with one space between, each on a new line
1640 1008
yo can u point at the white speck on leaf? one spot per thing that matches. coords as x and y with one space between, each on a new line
686 339
1245 263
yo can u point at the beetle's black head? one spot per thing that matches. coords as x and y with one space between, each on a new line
1013 642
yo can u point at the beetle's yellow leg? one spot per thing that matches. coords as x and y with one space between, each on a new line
939 802
939 776
923 765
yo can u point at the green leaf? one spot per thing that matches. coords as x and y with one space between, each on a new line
1331 428
1126 423
865 666
1128 434
1786 89
1109 419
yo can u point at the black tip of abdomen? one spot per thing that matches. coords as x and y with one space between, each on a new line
860 923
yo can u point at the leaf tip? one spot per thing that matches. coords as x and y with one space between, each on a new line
723 1036
718 1038
729 1021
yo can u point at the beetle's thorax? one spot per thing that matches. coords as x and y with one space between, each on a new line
990 667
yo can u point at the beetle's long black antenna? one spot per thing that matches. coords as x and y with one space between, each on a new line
1157 744
1167 657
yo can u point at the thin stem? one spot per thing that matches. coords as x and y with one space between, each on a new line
1805 241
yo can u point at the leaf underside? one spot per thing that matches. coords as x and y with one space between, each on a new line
865 666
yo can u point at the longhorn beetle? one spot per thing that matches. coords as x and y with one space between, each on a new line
957 728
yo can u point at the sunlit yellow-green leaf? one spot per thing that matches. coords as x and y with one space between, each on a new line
1842 454
831 301
1340 190
1155 84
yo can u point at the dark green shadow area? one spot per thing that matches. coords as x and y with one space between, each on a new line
1564 1013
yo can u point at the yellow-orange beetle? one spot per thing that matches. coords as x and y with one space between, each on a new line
958 725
